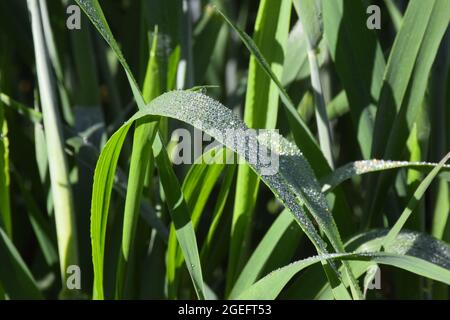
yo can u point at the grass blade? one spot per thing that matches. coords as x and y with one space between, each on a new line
302 135
260 256
310 15
104 174
217 214
22 285
197 187
356 168
59 177
29 113
418 194
180 217
271 285
40 226
140 157
5 209
261 109
406 75
293 183
415 244
359 61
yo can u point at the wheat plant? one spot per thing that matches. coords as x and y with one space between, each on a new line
99 101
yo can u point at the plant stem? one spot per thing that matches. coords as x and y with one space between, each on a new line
59 177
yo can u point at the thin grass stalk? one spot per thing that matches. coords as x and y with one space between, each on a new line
261 111
185 72
56 63
59 174
309 12
140 157
323 125
5 207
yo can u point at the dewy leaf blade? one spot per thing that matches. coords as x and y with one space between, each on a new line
302 135
104 175
271 285
294 182
261 111
357 168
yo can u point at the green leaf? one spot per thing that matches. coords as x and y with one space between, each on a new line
302 135
180 216
204 41
395 13
103 177
58 167
406 75
296 65
357 168
294 182
40 225
5 208
310 15
261 110
262 253
144 135
217 213
22 285
359 62
271 285
418 194
197 187
410 243
29 113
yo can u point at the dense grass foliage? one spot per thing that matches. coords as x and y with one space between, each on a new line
97 97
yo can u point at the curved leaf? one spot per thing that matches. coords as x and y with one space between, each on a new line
409 243
357 168
271 285
294 183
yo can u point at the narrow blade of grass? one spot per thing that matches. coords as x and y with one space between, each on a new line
302 135
261 109
29 113
418 194
356 168
255 264
404 86
294 180
197 187
415 244
59 177
349 41
310 14
104 174
38 222
140 156
5 208
22 285
270 286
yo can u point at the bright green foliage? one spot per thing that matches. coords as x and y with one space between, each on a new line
362 120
